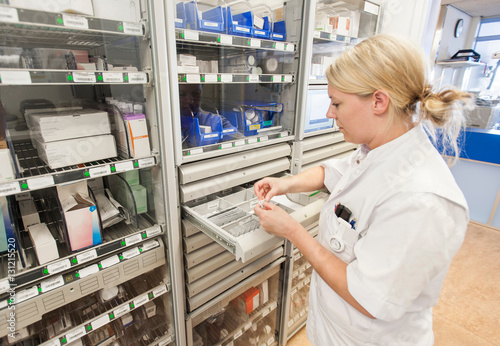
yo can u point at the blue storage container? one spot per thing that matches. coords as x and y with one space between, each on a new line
265 32
239 24
211 20
191 131
180 17
269 111
229 125
279 31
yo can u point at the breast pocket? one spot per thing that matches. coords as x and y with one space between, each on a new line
341 239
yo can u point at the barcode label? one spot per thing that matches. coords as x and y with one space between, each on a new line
280 46
26 294
211 135
211 24
288 78
8 14
84 77
241 29
166 341
239 143
100 322
59 266
141 301
121 311
317 34
252 140
193 78
88 271
195 151
263 139
226 39
4 286
52 284
136 238
111 261
148 162
100 171
153 231
137 77
159 291
191 35
131 253
284 134
75 334
124 166
290 47
9 188
38 183
179 20
254 42
211 78
266 312
112 77
15 77
53 342
226 78
132 28
150 245
226 145
273 305
290 323
86 256
253 78
247 326
237 335
73 21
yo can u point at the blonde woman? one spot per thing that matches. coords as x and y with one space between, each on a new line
395 216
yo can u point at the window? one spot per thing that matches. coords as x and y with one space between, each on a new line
487 43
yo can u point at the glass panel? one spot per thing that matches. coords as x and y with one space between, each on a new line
489 28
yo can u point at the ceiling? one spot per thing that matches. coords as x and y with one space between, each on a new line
476 8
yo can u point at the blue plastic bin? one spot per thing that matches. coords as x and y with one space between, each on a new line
211 20
265 32
244 26
229 125
191 130
279 31
180 18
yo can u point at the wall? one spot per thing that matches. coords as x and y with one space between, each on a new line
450 44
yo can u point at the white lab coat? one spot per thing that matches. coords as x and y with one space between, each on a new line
411 219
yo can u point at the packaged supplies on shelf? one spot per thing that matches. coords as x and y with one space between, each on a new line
192 134
43 242
7 172
207 66
115 10
140 197
72 6
131 177
9 57
249 300
111 211
137 133
68 124
70 152
203 17
80 216
188 69
6 227
340 25
150 309
261 24
240 64
322 23
52 58
186 60
29 213
18 335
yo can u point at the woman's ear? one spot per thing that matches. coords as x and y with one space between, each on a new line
380 102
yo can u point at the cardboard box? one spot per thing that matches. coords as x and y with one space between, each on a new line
68 124
29 213
74 151
80 214
138 138
7 172
249 300
72 6
43 242
117 10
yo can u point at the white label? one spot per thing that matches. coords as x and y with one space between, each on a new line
141 301
212 205
84 77
252 140
9 188
226 145
191 35
4 286
124 166
228 130
26 294
239 143
297 256
290 323
132 28
211 24
75 334
211 78
247 326
308 265
150 245
273 306
166 341
263 139
254 42
226 78
53 342
280 46
8 14
153 231
179 20
371 8
258 22
137 77
288 78
160 291
73 21
111 261
100 171
86 256
52 284
237 335
283 133
147 162
266 312
196 151
112 77
240 28
15 77
258 32
290 47
59 266
121 311
302 313
131 253
348 40
317 34
213 135
253 78
193 78
88 271
226 39
38 183
100 322
136 238
294 291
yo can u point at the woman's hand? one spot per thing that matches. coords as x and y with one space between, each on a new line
275 220
267 188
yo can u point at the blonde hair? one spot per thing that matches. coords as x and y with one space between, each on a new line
388 63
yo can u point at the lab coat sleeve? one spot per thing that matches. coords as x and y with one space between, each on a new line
334 170
405 254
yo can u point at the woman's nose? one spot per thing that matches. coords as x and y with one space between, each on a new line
330 113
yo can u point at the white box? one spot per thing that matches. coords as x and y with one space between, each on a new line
7 172
74 151
73 6
137 132
128 11
68 124
188 69
186 60
29 213
150 309
43 242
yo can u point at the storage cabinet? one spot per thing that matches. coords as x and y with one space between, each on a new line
86 259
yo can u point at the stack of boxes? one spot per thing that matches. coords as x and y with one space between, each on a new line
139 192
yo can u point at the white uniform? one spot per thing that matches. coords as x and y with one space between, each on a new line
411 219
